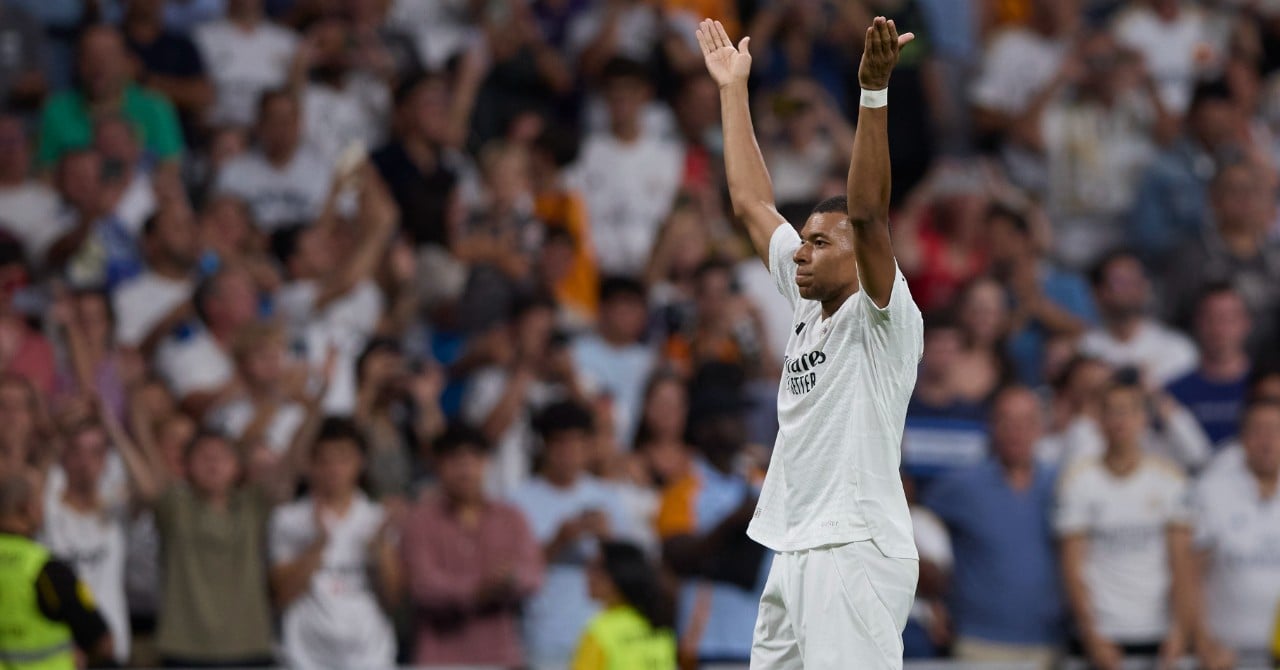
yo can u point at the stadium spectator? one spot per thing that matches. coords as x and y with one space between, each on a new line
284 182
983 365
1125 542
1172 201
998 516
1094 144
535 370
148 305
31 208
635 626
22 67
570 513
702 521
943 431
341 103
628 176
1128 334
1235 249
106 86
1214 392
940 235
1237 519
812 136
334 563
397 410
469 562
214 599
615 360
246 56
168 61
25 352
61 612
1047 301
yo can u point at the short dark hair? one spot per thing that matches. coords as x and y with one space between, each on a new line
271 95
377 345
1098 273
1015 217
560 142
528 303
1257 405
1214 289
622 69
1213 90
563 417
405 90
459 437
836 204
618 286
284 242
940 320
341 429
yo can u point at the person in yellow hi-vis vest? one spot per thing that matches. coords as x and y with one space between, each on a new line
634 631
46 613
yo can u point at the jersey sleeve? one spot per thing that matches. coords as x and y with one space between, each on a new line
63 597
782 265
897 329
1071 513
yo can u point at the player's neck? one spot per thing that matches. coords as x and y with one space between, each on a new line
832 305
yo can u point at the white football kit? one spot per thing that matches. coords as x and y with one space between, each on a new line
841 587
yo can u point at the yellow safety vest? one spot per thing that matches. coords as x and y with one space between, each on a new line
28 639
630 643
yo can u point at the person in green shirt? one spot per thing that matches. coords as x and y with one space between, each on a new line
634 632
106 88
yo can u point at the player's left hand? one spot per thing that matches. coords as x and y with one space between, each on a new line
880 53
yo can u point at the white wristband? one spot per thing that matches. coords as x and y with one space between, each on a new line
873 99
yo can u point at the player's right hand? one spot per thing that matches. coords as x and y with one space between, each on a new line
727 65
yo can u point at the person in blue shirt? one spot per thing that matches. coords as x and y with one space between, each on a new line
1005 600
1214 392
1046 301
942 431
570 513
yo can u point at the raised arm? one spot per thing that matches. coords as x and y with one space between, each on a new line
749 185
869 177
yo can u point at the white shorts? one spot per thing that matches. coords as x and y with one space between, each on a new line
834 608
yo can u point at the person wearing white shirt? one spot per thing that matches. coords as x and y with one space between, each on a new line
341 105
569 512
1179 42
1128 336
283 182
87 530
629 178
1125 541
331 305
334 563
29 209
615 360
1021 63
1236 509
832 502
160 298
246 56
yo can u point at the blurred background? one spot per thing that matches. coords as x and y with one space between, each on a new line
344 333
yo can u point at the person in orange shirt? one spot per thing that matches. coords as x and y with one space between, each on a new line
576 280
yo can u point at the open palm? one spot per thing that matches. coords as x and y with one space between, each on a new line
726 64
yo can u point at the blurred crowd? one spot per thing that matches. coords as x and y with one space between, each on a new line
342 333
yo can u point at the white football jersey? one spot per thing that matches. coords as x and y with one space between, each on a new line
842 402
